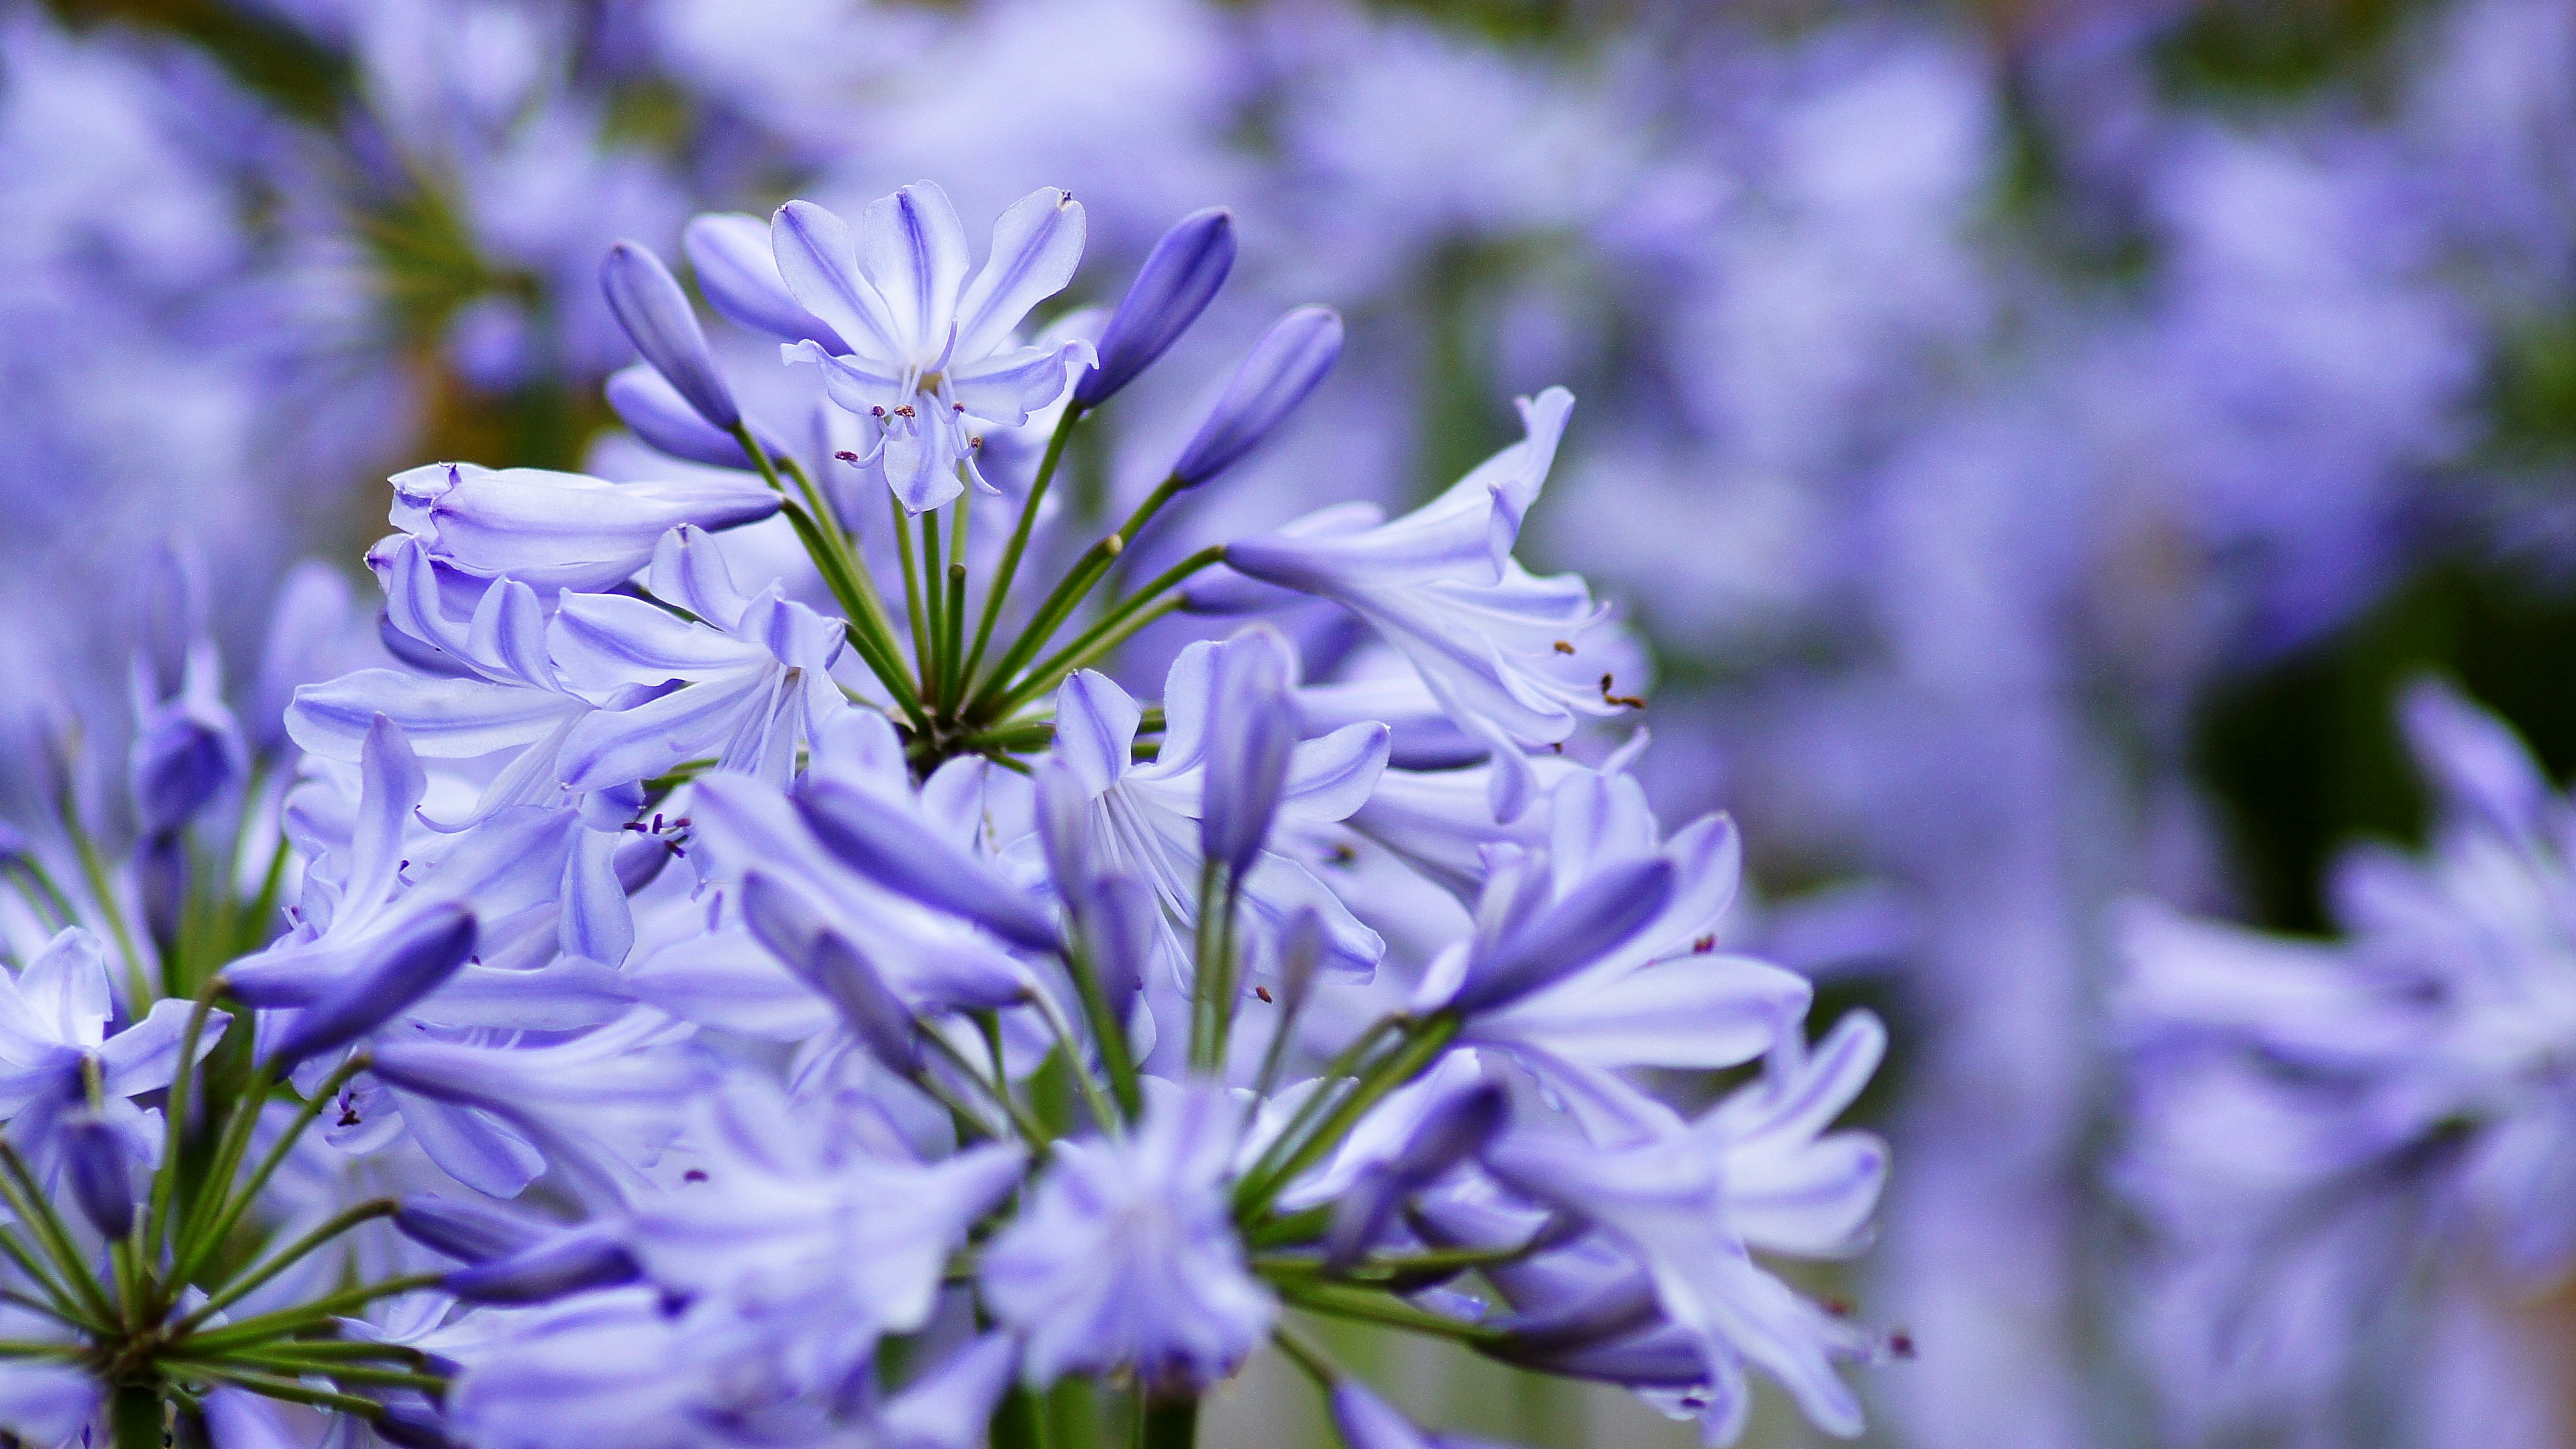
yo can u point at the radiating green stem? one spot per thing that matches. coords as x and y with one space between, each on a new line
952 649
183 1077
235 1203
284 1259
912 592
1009 568
285 1321
1423 1043
138 983
1067 596
1112 629
934 592
1374 1306
28 1201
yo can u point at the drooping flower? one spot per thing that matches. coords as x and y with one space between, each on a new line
1487 637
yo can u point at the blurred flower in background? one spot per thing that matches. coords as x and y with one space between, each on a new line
2036 440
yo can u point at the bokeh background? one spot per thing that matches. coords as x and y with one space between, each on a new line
2038 438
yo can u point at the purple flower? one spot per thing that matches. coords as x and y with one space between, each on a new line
1441 586
926 349
1126 1256
559 530
1288 363
656 314
1178 280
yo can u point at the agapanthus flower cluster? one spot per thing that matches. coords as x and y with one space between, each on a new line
2323 1126
684 994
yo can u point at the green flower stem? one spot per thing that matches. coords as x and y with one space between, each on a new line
1093 650
175 1119
238 1202
1009 569
138 983
998 1090
1112 1121
865 626
33 874
292 1365
1423 1043
1206 967
1113 628
233 1337
28 1201
952 647
135 1417
55 1304
1342 1067
211 1193
1313 1360
282 1260
936 604
843 570
23 1348
1061 603
1108 1032
1374 1306
278 1386
255 921
911 591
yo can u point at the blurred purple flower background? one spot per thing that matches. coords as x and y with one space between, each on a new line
2040 443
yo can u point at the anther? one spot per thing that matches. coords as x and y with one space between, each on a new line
846 456
1704 945
1564 646
1263 992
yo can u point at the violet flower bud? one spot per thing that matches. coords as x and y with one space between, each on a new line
657 317
98 1166
827 961
900 851
1123 925
736 269
1252 733
1278 374
416 959
469 1231
1560 939
412 1424
566 1262
1454 1129
1176 283
662 420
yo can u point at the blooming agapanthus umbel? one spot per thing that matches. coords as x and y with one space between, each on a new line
717 1003
2322 1122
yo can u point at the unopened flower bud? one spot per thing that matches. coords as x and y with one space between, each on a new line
414 961
662 420
658 319
96 1162
566 1262
469 1231
1179 278
1281 370
1251 736
730 254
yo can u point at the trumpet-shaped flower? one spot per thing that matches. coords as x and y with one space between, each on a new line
1440 584
927 351
1127 1255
